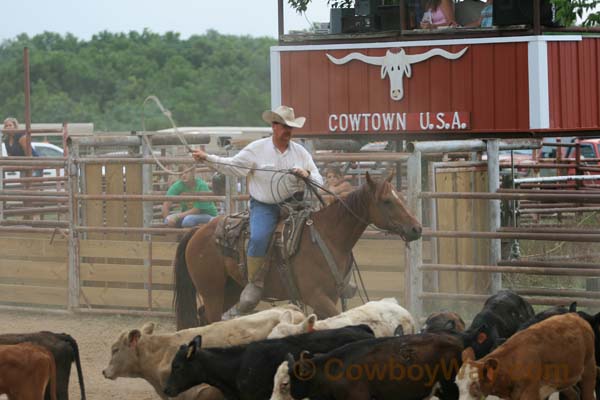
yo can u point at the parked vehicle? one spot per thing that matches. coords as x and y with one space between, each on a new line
519 157
590 149
44 150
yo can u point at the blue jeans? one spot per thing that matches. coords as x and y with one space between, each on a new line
195 219
192 220
263 219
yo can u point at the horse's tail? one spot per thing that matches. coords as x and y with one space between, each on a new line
184 299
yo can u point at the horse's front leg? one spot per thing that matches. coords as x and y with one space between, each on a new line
323 306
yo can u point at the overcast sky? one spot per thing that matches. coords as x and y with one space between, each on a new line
83 18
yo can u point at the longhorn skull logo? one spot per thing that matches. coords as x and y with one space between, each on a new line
396 65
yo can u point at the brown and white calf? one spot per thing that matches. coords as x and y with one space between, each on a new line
385 317
25 371
550 356
141 354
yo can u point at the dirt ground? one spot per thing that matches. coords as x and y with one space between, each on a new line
94 334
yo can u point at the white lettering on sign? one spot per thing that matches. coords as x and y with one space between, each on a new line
392 122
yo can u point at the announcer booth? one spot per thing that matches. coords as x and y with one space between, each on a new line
448 88
521 79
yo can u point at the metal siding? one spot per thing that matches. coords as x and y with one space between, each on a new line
377 86
286 79
461 81
553 87
319 93
596 68
338 85
505 111
588 73
568 113
300 89
489 81
522 83
417 89
439 76
574 84
358 88
482 115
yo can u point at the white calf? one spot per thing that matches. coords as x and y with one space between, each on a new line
386 317
281 383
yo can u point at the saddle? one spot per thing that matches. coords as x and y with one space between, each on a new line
233 231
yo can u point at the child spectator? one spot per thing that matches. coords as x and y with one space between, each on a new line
336 182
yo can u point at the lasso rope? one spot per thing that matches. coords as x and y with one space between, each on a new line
181 137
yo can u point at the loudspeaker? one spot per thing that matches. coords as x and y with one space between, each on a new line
335 18
357 24
520 12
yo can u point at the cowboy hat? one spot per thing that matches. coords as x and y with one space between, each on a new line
283 115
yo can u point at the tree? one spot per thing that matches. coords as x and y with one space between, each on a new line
209 79
301 5
568 11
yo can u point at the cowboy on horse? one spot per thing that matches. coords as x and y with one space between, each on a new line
266 163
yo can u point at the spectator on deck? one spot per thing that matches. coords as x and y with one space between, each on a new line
485 19
192 213
438 13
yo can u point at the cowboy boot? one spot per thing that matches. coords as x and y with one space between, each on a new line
252 292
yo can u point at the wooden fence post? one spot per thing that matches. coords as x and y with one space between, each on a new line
73 261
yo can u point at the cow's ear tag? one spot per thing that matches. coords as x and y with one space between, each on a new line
481 337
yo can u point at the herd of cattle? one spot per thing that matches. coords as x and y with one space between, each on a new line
374 351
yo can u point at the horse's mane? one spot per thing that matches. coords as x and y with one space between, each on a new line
357 201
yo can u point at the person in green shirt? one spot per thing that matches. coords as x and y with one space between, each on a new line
192 212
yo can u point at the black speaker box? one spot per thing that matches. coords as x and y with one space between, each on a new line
357 24
520 12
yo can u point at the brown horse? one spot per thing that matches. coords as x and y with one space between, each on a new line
218 279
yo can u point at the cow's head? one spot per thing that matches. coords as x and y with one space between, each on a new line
287 327
594 321
396 65
475 378
185 373
281 383
443 321
482 339
125 354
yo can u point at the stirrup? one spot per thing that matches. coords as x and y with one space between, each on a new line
349 291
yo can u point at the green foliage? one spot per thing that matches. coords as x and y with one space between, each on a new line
211 79
568 11
301 5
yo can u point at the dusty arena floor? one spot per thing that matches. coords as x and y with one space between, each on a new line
94 334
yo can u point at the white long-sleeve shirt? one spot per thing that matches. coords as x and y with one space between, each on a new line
265 186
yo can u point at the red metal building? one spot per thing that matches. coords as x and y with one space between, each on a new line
490 86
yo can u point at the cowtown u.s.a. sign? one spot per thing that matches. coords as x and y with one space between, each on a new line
395 66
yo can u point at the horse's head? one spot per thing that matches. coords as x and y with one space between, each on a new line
388 211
